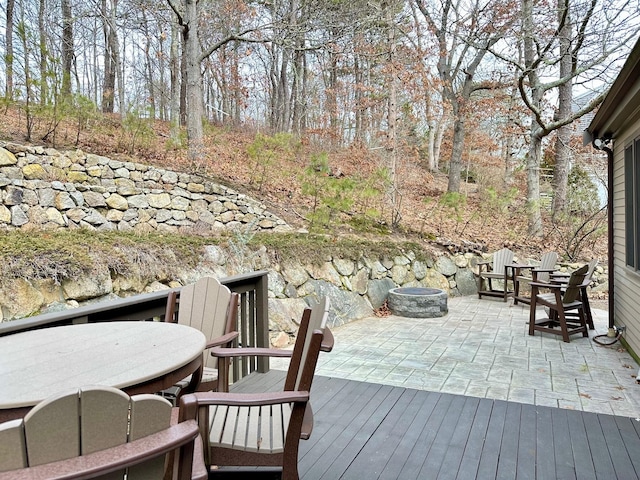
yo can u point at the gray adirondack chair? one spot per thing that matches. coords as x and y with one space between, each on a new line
263 429
497 269
97 431
533 273
212 308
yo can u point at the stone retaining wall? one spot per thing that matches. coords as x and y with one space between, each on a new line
46 188
356 287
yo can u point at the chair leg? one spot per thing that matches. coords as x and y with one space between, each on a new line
563 325
587 307
532 312
583 321
484 285
504 289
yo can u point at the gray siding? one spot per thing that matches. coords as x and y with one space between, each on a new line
627 281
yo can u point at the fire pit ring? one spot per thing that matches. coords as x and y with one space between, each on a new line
418 302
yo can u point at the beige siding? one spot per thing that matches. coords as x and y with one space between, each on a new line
627 281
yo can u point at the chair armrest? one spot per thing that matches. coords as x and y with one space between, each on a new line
246 399
551 286
222 352
307 423
224 339
521 265
514 267
199 470
112 459
327 340
483 266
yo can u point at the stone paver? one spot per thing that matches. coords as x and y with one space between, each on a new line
482 348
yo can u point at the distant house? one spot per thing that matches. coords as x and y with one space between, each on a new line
615 129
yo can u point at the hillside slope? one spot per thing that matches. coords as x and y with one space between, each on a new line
488 217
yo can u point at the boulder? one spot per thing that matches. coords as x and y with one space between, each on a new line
20 299
83 288
345 306
378 291
466 282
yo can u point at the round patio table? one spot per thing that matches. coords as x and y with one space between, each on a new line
137 357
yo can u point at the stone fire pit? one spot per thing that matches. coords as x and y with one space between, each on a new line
418 302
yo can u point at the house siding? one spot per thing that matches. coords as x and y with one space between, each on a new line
627 280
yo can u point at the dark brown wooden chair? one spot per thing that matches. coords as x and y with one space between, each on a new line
525 274
96 431
212 308
499 268
561 300
562 279
263 429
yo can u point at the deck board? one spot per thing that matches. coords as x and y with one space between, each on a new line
422 405
370 431
475 442
508 463
493 442
545 452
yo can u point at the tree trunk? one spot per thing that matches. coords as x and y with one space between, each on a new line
194 94
9 53
111 56
298 119
455 162
535 146
44 93
174 66
149 65
565 97
533 185
67 47
358 134
183 79
392 116
22 33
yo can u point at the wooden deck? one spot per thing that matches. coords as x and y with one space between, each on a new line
369 431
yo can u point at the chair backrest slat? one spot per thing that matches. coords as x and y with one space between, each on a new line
13 451
317 320
147 417
104 419
592 267
547 262
204 305
501 258
52 430
575 283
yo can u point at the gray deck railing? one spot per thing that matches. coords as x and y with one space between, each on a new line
253 319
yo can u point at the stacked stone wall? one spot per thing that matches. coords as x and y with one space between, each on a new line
47 188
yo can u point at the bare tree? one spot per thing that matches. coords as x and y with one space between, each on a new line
9 53
112 65
67 46
464 37
589 36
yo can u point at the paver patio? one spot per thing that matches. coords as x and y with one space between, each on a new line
481 348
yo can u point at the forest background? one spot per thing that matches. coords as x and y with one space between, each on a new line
456 122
